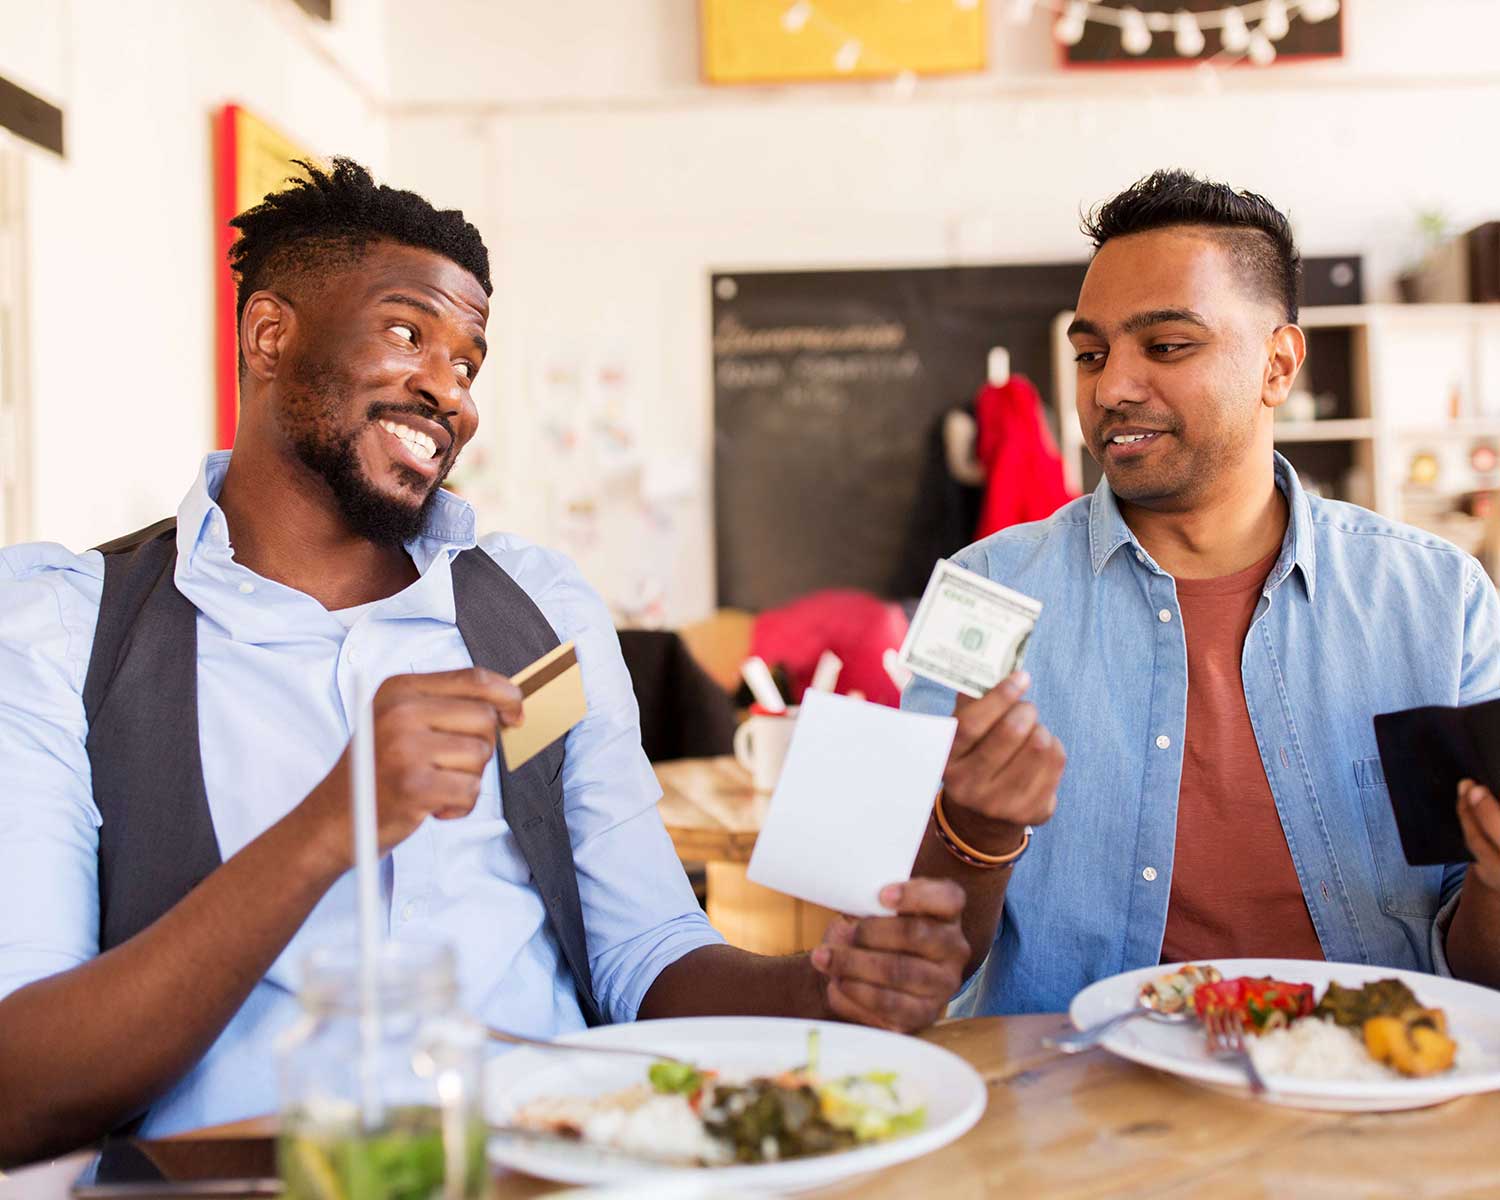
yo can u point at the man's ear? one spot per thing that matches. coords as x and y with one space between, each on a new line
1285 352
266 327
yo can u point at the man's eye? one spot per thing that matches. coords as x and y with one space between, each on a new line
466 369
1168 347
405 331
1086 358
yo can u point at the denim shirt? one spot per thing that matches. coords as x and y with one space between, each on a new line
1359 616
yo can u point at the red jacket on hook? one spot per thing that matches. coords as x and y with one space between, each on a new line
1022 468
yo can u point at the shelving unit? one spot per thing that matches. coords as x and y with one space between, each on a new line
1397 382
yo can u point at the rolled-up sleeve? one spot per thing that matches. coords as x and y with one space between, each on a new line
638 907
49 826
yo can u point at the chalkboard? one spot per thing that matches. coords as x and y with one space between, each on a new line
829 390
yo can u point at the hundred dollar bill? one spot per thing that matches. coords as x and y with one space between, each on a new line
969 632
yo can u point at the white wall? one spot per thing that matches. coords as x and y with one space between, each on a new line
120 231
609 184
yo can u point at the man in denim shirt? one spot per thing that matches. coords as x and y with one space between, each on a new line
1213 644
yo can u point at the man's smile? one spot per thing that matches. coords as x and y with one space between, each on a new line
1130 442
415 442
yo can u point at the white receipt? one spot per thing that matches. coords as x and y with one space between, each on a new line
852 803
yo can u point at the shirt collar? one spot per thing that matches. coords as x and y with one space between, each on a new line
208 575
1108 531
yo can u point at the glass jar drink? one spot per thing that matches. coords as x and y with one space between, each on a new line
393 1117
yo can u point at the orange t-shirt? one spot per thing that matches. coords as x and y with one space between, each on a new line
1234 889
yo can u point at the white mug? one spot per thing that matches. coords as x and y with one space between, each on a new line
760 745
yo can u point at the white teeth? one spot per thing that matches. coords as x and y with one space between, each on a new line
1124 439
420 444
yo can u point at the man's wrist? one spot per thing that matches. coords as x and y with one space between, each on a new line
324 842
990 835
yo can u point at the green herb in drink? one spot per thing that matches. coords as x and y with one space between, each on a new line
404 1160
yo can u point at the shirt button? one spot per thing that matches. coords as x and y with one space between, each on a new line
1164 615
408 910
1163 741
1139 557
1149 874
246 588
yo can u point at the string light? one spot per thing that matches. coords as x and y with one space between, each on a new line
1187 35
1234 35
1273 21
1318 10
1262 53
1135 38
795 19
847 57
1069 27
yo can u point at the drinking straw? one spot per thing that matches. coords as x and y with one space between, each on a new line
895 669
366 878
757 677
826 673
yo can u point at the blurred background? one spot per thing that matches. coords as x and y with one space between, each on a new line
751 257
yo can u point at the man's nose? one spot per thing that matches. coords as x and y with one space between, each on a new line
437 381
1122 381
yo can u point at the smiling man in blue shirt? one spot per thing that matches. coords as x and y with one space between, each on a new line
174 784
1213 645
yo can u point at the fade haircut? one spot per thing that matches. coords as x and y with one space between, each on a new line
328 220
1256 235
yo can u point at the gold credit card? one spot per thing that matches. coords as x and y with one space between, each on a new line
553 701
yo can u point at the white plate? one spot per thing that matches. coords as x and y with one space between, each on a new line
951 1090
1473 1020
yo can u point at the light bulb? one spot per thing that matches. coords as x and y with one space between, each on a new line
847 57
904 84
1273 21
1069 27
1233 34
1135 38
795 19
1187 38
1262 53
1318 10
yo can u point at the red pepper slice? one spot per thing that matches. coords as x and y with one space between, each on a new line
1255 1001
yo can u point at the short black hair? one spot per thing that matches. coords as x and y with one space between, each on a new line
1255 232
330 218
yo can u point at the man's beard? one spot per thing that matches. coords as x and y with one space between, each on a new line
319 396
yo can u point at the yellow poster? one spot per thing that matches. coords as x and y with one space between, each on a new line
780 41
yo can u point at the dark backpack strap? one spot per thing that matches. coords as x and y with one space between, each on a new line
156 840
505 631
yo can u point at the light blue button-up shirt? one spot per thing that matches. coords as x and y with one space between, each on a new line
1359 616
276 674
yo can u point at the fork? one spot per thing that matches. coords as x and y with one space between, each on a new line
1226 1040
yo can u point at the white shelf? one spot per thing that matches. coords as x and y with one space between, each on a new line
1460 430
1356 430
1341 316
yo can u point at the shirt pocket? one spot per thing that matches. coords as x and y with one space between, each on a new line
1405 890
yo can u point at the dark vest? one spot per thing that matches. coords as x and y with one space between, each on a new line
157 839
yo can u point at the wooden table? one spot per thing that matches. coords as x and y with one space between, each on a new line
1092 1125
714 814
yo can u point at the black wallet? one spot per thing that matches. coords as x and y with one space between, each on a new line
1424 752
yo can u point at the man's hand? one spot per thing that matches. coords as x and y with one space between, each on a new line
434 737
1479 814
897 972
1003 770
